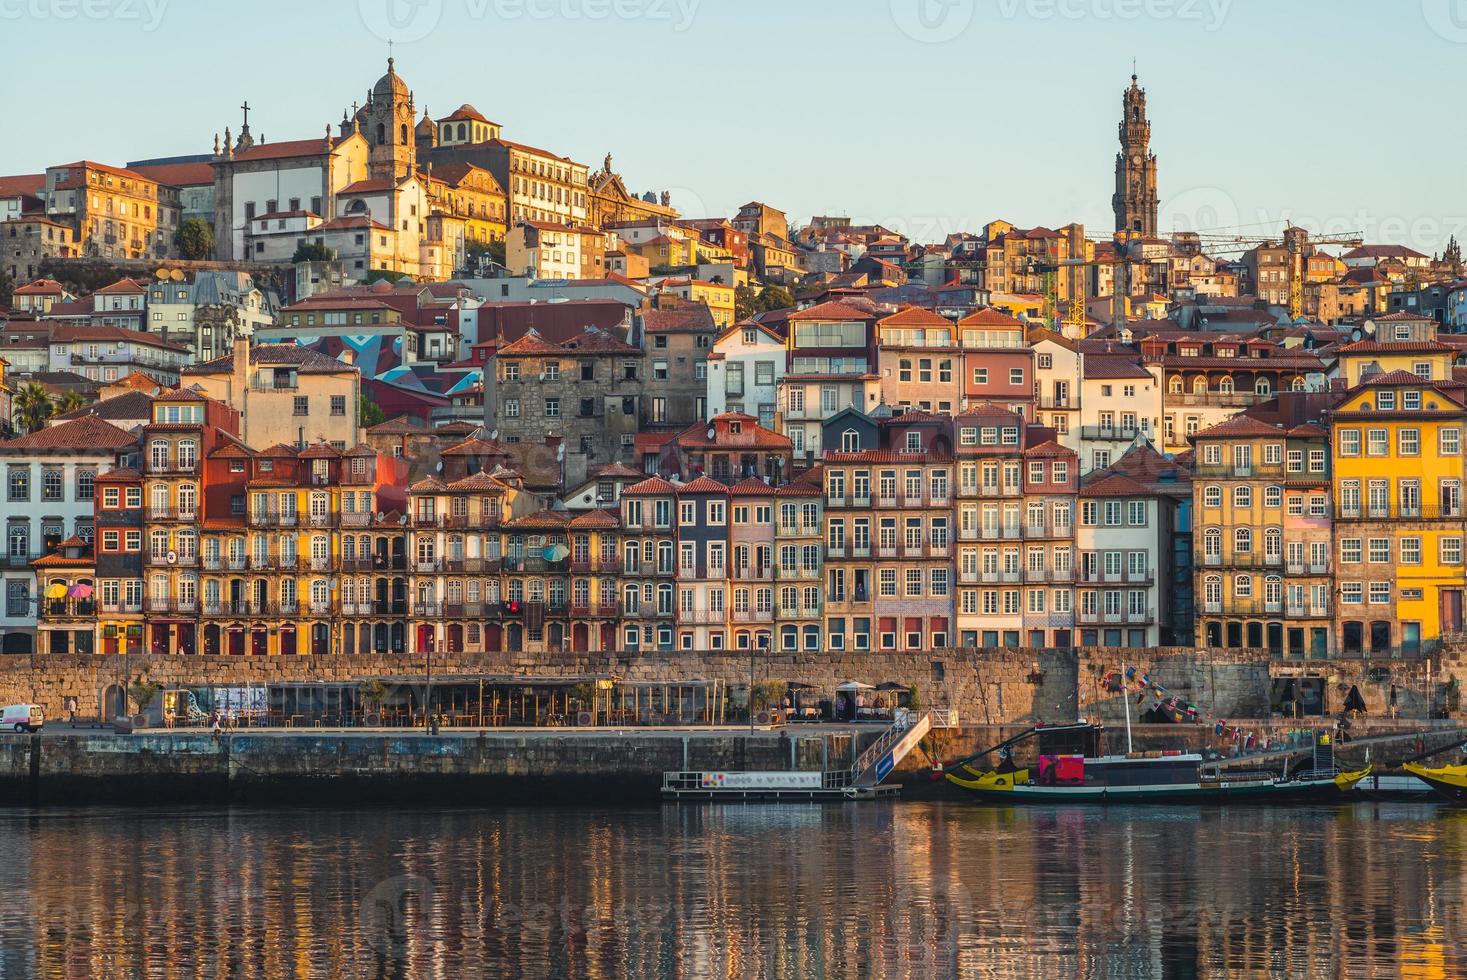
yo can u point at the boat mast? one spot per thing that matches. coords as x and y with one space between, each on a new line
1126 700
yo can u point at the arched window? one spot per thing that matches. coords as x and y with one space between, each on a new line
1212 496
1243 587
1199 385
1262 387
1243 496
1212 542
1212 590
461 131
1273 590
381 135
1225 386
1243 541
402 136
1298 384
1273 543
850 441
1175 385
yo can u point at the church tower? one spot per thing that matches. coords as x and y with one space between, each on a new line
1135 197
387 123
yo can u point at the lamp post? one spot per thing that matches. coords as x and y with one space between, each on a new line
763 644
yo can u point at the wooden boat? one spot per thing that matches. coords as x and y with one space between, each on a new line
1072 767
1447 781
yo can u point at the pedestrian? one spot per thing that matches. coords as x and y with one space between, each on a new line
214 721
71 710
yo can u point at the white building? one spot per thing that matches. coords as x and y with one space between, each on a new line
49 479
1120 407
1123 564
1059 371
545 251
111 353
744 372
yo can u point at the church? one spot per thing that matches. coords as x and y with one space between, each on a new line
357 192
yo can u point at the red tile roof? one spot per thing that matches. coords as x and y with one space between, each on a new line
22 185
703 485
752 487
598 518
915 316
650 487
694 318
86 434
1115 485
833 310
989 317
179 174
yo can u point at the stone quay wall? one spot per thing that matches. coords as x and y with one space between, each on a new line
983 686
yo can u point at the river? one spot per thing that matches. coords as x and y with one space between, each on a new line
909 890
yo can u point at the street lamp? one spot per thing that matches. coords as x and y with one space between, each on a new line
762 644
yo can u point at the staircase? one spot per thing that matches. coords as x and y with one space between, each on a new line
883 755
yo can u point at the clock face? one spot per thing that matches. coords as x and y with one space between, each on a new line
1136 159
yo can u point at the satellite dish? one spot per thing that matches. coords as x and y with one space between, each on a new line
381 517
161 274
331 583
402 520
176 275
173 558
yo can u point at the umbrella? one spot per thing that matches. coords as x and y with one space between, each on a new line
798 686
55 591
1353 700
891 686
556 552
855 686
81 590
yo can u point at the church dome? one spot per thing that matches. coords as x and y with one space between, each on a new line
425 126
390 86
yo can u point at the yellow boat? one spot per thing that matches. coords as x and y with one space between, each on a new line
1448 781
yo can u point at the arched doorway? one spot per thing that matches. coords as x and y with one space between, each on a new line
211 640
320 639
493 638
557 635
516 637
425 638
608 637
114 704
287 641
580 637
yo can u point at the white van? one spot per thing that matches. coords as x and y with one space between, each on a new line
22 717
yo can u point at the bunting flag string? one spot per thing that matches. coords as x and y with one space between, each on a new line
1174 706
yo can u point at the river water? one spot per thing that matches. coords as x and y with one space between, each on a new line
910 890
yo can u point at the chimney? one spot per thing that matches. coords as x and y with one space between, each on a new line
240 377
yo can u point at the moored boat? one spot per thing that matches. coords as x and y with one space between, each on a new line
1072 767
1447 781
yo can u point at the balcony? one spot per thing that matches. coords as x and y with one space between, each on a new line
161 514
1251 559
1113 433
1009 532
1308 611
165 559
428 610
171 466
68 609
1242 471
1056 575
271 518
170 606
701 617
355 518
1126 618
1408 514
323 519
751 615
754 574
317 564
1215 399
471 521
1097 576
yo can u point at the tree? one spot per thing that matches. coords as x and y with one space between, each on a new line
143 691
775 298
7 286
70 401
746 302
313 252
195 239
370 414
33 407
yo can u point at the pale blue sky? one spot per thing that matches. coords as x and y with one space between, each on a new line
928 115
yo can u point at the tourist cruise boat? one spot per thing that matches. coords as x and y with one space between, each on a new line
1447 781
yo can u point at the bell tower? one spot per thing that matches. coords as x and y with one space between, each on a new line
1135 200
387 123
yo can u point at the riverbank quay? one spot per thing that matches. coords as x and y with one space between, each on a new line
1019 686
590 767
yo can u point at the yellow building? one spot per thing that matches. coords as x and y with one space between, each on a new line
472 194
1397 342
719 298
1397 479
1262 537
115 212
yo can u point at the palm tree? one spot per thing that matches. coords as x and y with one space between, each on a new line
33 406
70 402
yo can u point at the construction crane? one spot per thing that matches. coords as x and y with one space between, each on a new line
1294 239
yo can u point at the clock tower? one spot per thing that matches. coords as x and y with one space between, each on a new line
1135 197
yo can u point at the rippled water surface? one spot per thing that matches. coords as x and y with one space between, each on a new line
860 890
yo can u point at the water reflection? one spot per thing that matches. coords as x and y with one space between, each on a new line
904 891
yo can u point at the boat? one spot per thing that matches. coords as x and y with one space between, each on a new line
1447 781
1071 766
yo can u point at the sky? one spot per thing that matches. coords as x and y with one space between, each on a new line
928 116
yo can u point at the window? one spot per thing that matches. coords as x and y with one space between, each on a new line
552 408
1379 550
1349 442
1212 496
1377 442
302 406
1380 593
338 405
1351 593
1450 441
18 483
1350 552
1016 376
1451 551
1408 442
1410 551
980 376
51 485
1243 496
